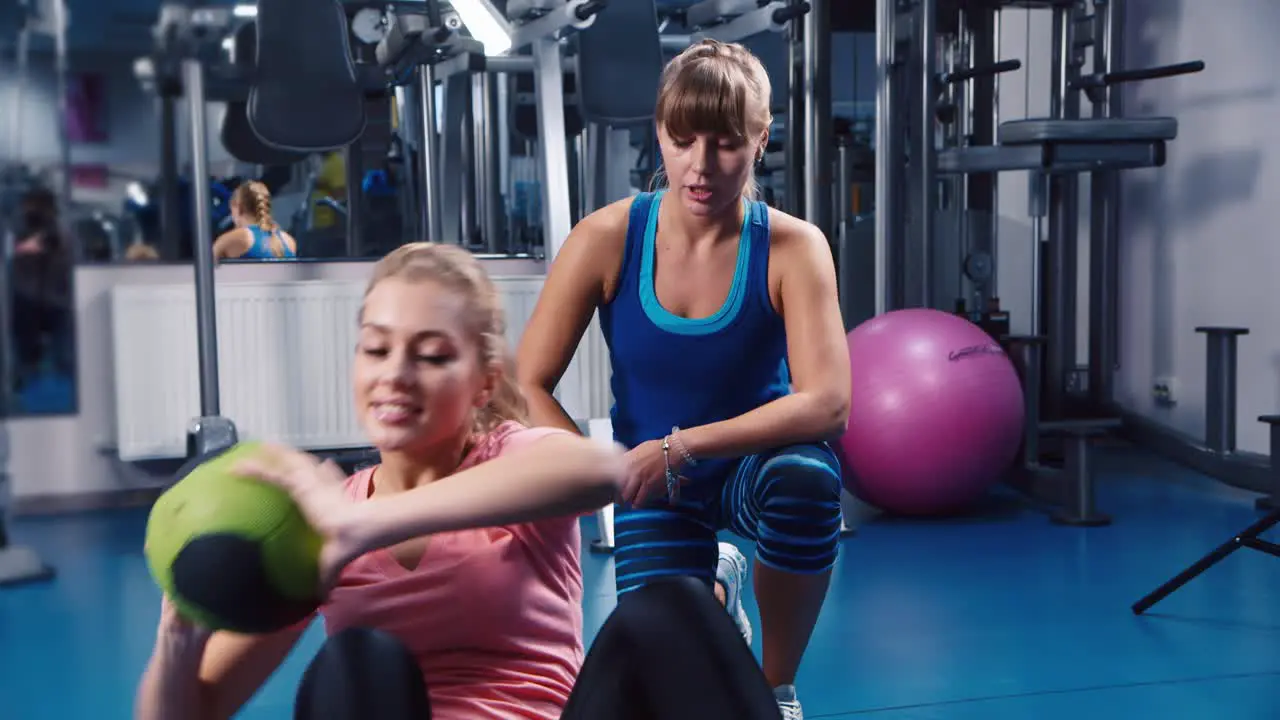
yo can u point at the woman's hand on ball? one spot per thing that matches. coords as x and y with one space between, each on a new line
318 490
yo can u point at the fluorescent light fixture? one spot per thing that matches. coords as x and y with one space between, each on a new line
485 24
245 11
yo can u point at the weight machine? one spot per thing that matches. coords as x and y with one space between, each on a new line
935 239
411 44
922 87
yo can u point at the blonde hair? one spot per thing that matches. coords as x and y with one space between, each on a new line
140 251
458 270
253 200
717 88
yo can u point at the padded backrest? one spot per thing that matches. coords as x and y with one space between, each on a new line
619 64
236 133
306 96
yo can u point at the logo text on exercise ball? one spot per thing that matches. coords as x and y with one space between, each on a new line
987 349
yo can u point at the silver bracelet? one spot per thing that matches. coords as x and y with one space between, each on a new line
680 448
673 482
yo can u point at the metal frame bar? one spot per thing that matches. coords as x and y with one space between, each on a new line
456 136
485 162
758 20
430 216
1061 262
550 25
793 149
707 12
818 142
925 201
1104 251
206 302
59 19
888 199
557 210
1066 158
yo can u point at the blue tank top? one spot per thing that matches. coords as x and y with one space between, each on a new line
672 371
261 247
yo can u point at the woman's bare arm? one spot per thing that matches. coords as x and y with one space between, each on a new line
817 354
555 476
215 685
578 281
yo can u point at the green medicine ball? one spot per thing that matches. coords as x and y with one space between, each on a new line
231 552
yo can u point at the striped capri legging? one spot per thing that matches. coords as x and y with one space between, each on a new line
786 501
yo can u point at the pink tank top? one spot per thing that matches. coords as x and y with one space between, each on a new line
493 615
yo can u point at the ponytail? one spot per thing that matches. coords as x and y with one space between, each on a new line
254 199
507 402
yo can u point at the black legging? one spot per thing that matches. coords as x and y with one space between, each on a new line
668 652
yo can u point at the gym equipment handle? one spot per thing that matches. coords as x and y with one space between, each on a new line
433 13
589 8
1003 66
782 16
1124 76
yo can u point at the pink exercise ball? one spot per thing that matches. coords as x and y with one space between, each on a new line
936 416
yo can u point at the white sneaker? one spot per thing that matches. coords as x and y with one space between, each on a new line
787 702
731 572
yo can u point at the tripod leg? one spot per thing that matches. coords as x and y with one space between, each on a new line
1206 562
1186 576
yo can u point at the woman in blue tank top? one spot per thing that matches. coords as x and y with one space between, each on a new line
729 366
256 236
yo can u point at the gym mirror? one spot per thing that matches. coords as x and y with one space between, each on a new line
40 309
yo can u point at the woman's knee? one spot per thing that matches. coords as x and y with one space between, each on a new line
799 506
802 476
656 544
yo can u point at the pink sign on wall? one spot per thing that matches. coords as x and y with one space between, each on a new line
87 108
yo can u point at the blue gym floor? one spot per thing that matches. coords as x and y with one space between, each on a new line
1004 617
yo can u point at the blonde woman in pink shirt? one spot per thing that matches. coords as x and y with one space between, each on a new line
452 568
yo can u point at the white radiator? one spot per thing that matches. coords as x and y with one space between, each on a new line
284 362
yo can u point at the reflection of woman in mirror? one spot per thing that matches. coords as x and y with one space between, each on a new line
139 251
257 235
41 281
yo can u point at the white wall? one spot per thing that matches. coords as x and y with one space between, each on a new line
70 455
1199 239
